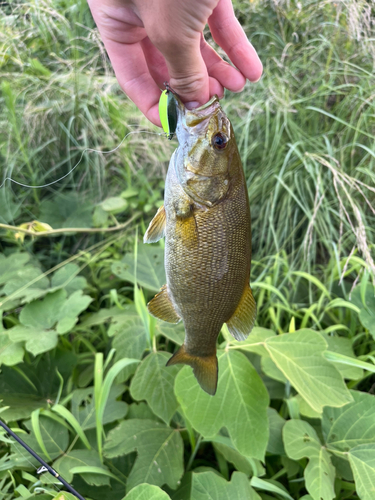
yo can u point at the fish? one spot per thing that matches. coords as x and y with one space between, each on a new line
206 223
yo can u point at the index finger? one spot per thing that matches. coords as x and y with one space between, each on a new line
133 75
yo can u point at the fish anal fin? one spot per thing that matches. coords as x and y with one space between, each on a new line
161 307
205 368
243 319
156 228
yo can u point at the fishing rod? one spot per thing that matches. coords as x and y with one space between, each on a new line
44 466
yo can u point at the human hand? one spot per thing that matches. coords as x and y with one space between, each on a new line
153 41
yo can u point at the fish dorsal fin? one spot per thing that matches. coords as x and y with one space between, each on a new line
161 307
242 321
156 229
205 368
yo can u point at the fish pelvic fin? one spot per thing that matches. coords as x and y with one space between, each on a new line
161 307
205 368
156 228
243 319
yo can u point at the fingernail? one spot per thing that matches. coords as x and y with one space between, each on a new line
192 104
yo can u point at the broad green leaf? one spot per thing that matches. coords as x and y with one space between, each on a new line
146 492
367 318
343 345
141 411
275 442
240 404
224 445
36 340
352 425
362 461
70 310
42 314
67 211
83 407
271 370
11 353
154 382
79 458
150 267
255 341
175 333
9 266
301 440
299 356
105 315
130 336
55 438
210 486
305 409
271 486
159 449
114 204
67 278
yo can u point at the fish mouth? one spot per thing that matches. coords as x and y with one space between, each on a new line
208 104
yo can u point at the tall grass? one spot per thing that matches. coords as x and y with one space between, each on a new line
305 131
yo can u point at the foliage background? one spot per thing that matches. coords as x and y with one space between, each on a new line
83 377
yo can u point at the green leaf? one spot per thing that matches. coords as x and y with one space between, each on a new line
154 382
41 314
82 458
240 404
36 340
70 310
54 436
210 486
299 356
271 486
224 445
67 211
301 440
67 278
69 417
255 341
11 353
150 267
147 492
362 461
159 448
130 336
275 443
175 333
352 425
83 407
343 346
114 204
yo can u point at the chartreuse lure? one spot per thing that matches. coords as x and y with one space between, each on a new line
168 112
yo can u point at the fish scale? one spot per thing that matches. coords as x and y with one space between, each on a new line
206 224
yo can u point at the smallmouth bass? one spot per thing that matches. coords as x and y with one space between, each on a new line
206 223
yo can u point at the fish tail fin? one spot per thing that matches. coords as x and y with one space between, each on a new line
205 368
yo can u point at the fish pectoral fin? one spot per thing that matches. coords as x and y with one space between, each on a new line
156 228
187 232
205 368
161 307
242 321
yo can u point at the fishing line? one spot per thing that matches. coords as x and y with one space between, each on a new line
44 466
79 161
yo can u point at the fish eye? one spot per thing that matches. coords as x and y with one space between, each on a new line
220 141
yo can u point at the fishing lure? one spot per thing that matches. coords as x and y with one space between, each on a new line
168 111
